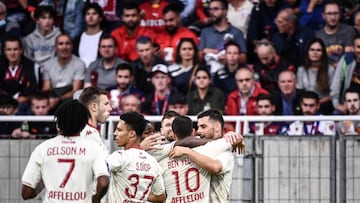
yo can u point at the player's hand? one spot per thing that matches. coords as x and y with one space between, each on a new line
153 141
178 151
236 141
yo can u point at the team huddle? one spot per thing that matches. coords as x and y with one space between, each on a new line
171 166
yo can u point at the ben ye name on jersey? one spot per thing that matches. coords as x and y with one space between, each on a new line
173 163
77 151
68 196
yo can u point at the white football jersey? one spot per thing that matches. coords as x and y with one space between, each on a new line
93 134
134 173
187 182
67 166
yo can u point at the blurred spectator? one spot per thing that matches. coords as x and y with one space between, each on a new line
291 40
182 72
100 73
149 130
170 37
8 107
243 100
39 45
7 29
311 14
152 11
239 14
130 103
17 78
205 96
224 78
357 22
265 107
112 9
310 105
177 103
63 74
270 65
336 36
143 65
316 75
127 33
157 102
84 44
348 8
39 107
188 10
262 24
352 103
347 74
69 15
18 11
288 100
214 38
124 86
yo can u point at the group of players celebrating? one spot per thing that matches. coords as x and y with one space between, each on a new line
174 165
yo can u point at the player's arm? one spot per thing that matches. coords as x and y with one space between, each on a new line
28 192
101 188
191 142
156 198
205 162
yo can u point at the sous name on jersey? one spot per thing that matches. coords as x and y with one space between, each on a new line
78 151
142 166
173 163
68 196
188 198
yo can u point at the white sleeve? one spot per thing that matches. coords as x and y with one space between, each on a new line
160 154
100 167
214 148
226 159
158 187
116 160
32 174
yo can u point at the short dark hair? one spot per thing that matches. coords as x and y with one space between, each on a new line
310 95
71 117
107 36
331 2
39 96
169 114
356 38
352 90
124 66
42 10
204 69
214 115
268 97
129 5
12 39
96 7
8 101
223 2
182 127
91 94
232 43
172 7
134 121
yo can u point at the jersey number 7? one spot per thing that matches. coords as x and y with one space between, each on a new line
68 173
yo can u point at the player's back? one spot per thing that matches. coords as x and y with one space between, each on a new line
134 173
185 181
67 166
93 134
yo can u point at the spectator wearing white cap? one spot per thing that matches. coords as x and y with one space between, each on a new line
157 102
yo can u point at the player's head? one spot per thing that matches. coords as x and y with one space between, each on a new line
210 124
129 129
97 101
166 124
182 127
71 117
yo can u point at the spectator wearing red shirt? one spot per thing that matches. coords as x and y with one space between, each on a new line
169 39
152 15
243 100
127 33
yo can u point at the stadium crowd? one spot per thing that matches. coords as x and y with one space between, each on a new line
240 57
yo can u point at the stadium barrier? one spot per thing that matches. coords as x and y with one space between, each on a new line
273 168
